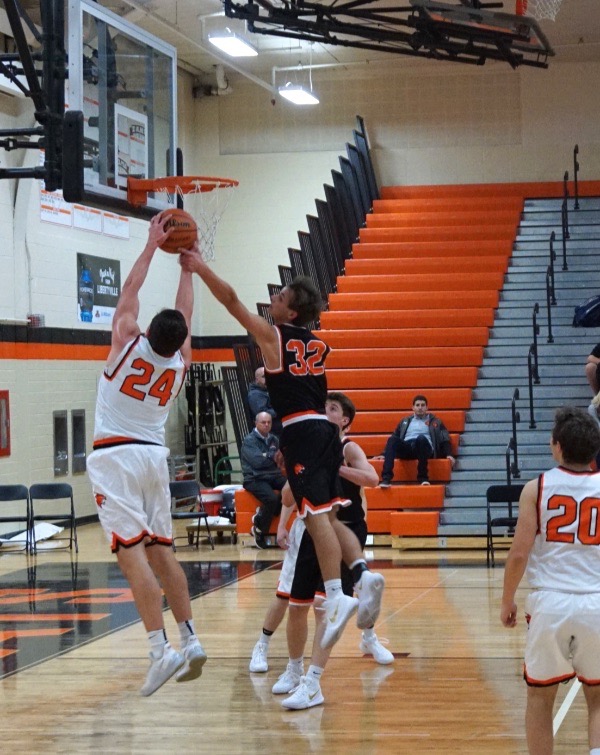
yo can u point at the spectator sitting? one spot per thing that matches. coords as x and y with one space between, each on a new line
591 369
420 436
262 477
259 401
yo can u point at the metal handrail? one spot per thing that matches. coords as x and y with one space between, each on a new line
509 446
516 417
575 172
565 206
550 338
536 332
552 258
532 424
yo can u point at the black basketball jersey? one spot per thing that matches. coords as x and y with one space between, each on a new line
355 512
299 385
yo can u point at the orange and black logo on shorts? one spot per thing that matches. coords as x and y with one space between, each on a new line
100 499
298 469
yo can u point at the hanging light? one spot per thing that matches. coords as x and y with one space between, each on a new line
298 94
232 44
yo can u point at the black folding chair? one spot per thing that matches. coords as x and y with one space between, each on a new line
187 493
17 493
53 491
502 498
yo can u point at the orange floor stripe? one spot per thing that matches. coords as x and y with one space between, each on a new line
31 617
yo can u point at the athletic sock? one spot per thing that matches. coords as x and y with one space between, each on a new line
313 675
158 640
333 587
297 665
265 636
369 633
357 568
187 631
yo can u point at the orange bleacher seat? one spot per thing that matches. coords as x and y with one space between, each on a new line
379 399
422 265
486 232
406 470
414 523
455 249
245 508
401 497
427 218
385 422
411 300
389 203
408 318
373 445
378 522
396 377
418 282
458 356
404 338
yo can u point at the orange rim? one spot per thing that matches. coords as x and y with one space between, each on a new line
139 188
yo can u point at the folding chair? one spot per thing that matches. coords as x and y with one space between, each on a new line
53 491
18 493
506 495
189 491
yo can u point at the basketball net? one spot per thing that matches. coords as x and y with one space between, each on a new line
206 205
538 8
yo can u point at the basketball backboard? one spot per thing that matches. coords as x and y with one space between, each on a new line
124 80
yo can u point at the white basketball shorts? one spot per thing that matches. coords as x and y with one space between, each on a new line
563 639
131 487
286 578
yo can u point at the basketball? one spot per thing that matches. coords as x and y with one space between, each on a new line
184 233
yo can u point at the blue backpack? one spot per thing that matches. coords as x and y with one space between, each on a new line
587 315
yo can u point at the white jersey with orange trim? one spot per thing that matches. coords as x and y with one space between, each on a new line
135 394
566 552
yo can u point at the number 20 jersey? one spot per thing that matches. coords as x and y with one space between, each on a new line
566 551
299 386
135 394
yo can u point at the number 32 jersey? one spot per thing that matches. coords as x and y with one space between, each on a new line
566 551
299 386
135 394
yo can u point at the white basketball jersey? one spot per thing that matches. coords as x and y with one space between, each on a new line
135 394
566 551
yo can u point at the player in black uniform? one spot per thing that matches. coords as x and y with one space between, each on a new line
294 360
307 587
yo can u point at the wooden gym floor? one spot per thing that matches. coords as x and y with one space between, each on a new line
74 656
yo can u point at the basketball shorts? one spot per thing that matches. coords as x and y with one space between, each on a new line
131 487
563 638
313 454
286 578
303 580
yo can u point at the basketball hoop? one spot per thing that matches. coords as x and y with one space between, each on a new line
539 8
205 203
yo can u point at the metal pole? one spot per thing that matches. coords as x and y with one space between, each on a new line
536 332
549 307
530 382
575 172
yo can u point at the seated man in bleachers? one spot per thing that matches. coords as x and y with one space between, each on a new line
421 436
262 477
259 401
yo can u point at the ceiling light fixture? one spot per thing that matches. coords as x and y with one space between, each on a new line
232 44
298 94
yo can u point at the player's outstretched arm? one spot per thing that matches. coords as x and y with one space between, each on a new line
184 302
125 326
520 549
263 332
357 468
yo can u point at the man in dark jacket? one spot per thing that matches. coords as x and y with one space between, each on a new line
262 477
420 436
259 401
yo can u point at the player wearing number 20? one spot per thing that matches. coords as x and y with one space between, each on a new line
557 542
128 467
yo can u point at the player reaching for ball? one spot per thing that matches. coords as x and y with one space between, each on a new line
128 466
294 360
